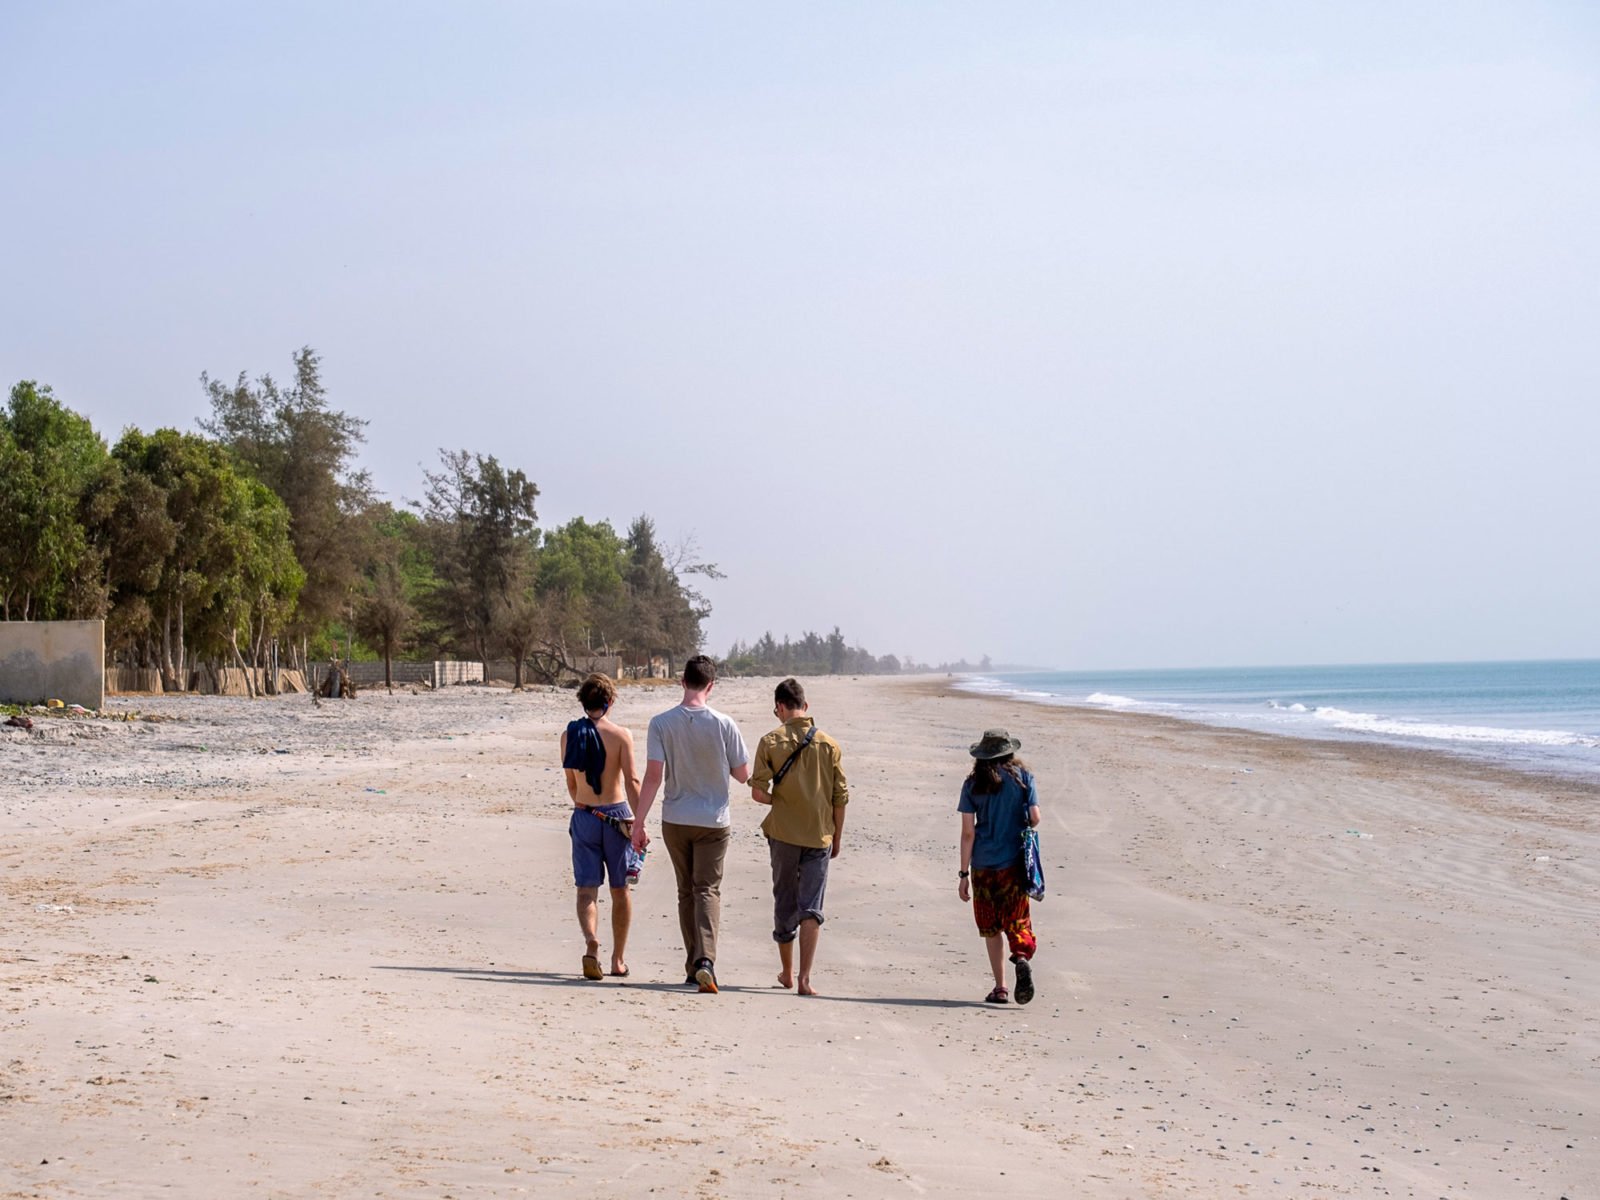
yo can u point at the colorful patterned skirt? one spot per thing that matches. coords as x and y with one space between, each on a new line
1000 904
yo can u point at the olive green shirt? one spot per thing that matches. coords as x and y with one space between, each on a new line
802 807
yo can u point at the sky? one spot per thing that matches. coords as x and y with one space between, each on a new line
1082 336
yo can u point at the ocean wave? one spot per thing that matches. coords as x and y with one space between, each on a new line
1359 722
1110 701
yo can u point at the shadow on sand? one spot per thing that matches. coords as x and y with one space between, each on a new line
557 979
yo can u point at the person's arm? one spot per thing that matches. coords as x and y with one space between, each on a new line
969 834
841 797
647 796
572 776
737 754
630 770
761 778
1033 804
1033 816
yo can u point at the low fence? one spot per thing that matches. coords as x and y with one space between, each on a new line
133 681
505 670
232 681
224 681
434 674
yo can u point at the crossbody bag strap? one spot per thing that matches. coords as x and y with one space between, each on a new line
778 775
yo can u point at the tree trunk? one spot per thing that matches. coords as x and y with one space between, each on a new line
182 658
249 672
169 677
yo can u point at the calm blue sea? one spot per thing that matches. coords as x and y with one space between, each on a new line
1540 715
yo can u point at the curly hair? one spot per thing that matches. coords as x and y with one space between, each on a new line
597 692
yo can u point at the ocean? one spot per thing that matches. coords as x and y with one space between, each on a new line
1531 715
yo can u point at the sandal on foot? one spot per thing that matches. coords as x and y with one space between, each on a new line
1024 980
998 996
591 967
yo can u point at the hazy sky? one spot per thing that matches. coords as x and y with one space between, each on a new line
1080 335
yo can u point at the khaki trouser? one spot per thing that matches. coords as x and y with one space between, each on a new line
697 853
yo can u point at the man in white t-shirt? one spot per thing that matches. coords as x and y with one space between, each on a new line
694 750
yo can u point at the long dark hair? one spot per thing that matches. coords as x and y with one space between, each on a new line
988 774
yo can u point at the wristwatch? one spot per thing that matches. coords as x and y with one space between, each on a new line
962 874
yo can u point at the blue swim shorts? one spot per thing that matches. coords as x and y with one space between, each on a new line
598 847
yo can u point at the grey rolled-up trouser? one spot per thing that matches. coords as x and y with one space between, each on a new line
799 878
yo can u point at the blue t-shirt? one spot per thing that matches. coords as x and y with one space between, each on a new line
1002 816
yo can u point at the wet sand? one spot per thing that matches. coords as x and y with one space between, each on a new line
265 948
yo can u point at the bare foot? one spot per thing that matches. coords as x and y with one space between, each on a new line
805 988
785 980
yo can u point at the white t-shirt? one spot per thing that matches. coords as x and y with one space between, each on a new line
700 747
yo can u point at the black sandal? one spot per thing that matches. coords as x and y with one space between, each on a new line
998 996
1024 980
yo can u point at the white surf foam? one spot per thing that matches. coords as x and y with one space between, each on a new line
1359 722
1110 701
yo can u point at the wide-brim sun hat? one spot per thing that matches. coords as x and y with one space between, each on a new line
995 743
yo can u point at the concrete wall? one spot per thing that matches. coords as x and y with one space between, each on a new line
53 660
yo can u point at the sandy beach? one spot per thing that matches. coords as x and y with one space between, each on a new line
265 948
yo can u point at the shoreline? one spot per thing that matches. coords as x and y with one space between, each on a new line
331 951
1393 752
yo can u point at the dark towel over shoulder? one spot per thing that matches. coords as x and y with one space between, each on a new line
585 751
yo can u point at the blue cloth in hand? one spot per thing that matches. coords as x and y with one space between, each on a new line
1033 864
585 751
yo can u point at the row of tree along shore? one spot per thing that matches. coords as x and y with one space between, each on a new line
257 541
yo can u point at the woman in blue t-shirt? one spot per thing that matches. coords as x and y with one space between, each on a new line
998 802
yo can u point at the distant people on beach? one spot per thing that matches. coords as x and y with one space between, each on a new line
603 782
692 751
998 802
799 775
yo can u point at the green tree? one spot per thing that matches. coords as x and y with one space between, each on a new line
231 569
252 575
522 626
580 582
663 617
480 524
386 616
50 461
130 526
293 441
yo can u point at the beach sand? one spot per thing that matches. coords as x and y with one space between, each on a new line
263 948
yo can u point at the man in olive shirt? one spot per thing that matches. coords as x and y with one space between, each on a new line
797 772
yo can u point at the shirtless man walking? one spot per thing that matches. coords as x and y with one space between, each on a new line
604 785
